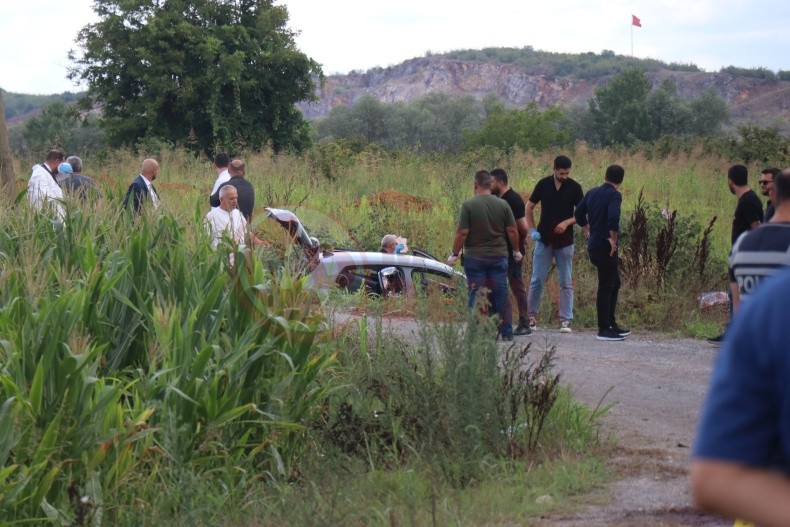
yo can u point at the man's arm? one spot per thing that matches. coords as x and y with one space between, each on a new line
512 234
733 490
753 225
523 233
458 241
529 215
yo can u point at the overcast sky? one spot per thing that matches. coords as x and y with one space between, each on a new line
344 35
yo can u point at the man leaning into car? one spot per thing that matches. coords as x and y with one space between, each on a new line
483 223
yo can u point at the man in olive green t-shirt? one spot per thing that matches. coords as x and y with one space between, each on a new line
483 223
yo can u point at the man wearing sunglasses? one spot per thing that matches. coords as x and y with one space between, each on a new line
766 182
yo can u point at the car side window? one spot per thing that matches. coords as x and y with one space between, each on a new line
352 278
429 282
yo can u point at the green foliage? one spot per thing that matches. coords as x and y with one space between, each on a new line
582 65
126 360
626 111
449 400
755 73
202 74
527 129
435 123
763 145
58 125
18 104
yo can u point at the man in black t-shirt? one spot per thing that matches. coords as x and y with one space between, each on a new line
515 270
558 196
236 170
748 215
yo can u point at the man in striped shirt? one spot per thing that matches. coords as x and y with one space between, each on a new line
761 252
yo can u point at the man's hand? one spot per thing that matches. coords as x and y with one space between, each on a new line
613 245
451 259
561 227
534 234
517 256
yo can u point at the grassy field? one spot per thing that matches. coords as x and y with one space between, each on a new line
144 382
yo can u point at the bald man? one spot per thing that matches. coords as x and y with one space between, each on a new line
142 188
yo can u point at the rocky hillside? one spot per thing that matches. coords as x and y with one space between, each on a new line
752 100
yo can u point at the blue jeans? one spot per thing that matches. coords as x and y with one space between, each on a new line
489 273
541 265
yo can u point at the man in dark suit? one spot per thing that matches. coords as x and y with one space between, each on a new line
246 192
142 189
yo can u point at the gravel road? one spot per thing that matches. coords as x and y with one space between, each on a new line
657 385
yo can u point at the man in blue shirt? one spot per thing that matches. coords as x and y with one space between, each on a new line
600 209
741 460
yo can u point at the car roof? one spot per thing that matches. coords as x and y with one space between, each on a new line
358 258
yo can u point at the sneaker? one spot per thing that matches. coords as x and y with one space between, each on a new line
533 324
717 339
621 331
609 334
565 326
522 330
506 338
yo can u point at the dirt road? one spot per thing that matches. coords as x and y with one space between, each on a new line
657 386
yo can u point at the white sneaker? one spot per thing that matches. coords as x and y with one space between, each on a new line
565 326
533 324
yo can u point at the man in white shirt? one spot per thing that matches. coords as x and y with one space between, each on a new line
220 164
226 220
43 190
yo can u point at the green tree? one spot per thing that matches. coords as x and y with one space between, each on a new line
54 127
526 128
619 111
708 113
764 145
669 115
199 72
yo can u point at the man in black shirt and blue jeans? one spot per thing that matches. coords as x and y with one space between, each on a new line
558 196
600 208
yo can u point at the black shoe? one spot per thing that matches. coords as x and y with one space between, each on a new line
522 330
506 338
621 331
609 334
717 339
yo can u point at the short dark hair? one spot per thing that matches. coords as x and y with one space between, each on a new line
56 154
562 162
500 175
773 171
782 186
615 174
483 179
222 160
739 175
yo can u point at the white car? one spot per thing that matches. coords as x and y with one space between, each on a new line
378 273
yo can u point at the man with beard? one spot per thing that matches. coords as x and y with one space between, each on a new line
484 222
558 196
748 215
766 182
515 271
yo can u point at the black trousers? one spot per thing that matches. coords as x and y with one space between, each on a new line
608 285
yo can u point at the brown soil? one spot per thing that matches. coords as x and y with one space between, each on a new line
398 200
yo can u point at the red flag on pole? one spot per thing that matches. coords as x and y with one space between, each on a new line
635 21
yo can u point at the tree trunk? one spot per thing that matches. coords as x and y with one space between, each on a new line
7 179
